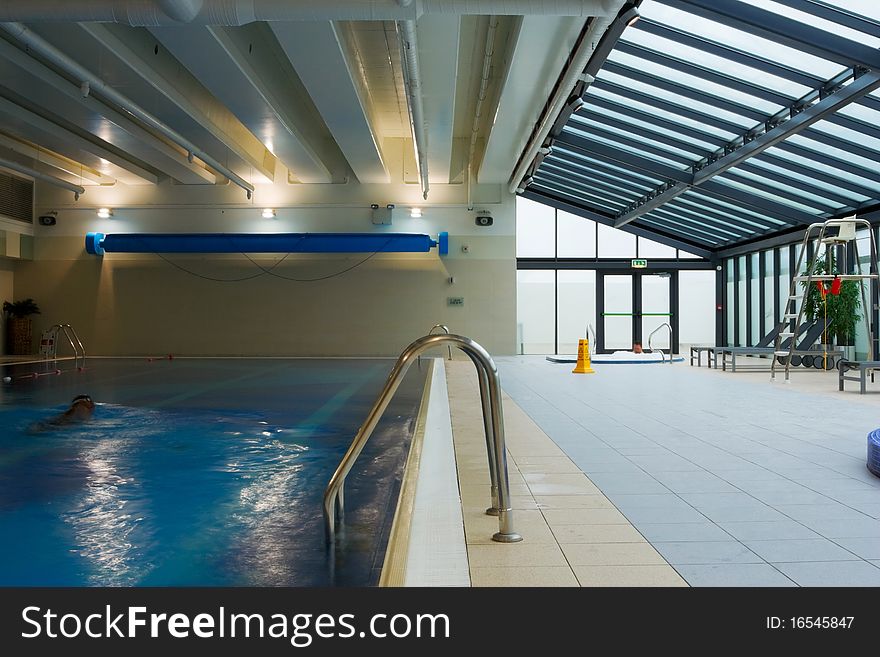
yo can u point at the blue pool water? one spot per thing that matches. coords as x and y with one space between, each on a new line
197 473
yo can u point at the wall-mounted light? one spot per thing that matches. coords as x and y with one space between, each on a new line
415 213
268 213
105 213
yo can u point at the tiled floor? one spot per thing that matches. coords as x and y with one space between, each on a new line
733 480
572 534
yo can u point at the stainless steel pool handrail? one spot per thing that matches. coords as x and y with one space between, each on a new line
493 425
651 337
445 330
79 351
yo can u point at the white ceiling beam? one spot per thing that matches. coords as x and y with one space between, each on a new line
438 55
246 70
167 77
165 157
78 142
45 160
318 55
534 65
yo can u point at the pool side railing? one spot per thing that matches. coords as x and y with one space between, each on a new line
493 426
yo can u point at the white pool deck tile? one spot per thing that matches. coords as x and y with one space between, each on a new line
731 479
573 535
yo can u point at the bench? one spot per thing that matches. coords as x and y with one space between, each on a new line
863 366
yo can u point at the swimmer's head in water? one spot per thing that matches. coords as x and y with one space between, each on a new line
82 404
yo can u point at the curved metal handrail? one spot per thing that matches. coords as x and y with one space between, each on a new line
79 351
445 330
651 336
493 424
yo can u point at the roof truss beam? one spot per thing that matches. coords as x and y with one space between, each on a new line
811 108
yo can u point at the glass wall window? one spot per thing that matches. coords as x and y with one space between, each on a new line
770 319
615 243
742 339
784 275
575 236
535 229
696 290
755 298
576 307
863 245
557 306
536 311
730 292
651 249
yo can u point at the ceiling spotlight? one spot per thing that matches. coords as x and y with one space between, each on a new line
268 213
105 213
415 213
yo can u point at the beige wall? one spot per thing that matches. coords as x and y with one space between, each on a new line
125 304
6 294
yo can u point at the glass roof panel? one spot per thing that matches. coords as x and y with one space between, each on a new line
655 92
847 134
803 175
720 64
791 188
700 147
868 8
803 207
627 148
642 112
815 21
720 33
821 166
694 82
625 173
846 156
660 113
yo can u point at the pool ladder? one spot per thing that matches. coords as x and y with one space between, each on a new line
445 330
651 337
79 351
493 426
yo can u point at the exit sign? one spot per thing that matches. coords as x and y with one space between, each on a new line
639 263
455 301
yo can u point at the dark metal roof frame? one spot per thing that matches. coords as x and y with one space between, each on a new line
571 206
780 29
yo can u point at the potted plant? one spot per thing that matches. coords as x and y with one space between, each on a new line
841 309
19 329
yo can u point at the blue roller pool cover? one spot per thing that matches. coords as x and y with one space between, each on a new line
874 452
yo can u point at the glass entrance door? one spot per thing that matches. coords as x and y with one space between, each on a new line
618 317
631 306
655 309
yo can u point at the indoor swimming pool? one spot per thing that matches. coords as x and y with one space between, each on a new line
196 472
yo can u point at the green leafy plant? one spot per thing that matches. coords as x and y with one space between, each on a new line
842 309
21 309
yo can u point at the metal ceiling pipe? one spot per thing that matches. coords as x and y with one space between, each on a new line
573 73
155 13
38 175
488 54
93 84
182 11
412 80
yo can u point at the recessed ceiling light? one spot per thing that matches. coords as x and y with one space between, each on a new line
268 213
105 213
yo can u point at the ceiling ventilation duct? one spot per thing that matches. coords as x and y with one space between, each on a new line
154 13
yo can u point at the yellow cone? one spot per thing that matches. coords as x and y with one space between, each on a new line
583 364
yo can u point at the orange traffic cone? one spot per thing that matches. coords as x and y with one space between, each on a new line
583 364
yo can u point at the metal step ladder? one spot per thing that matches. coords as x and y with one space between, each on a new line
79 351
651 337
793 313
